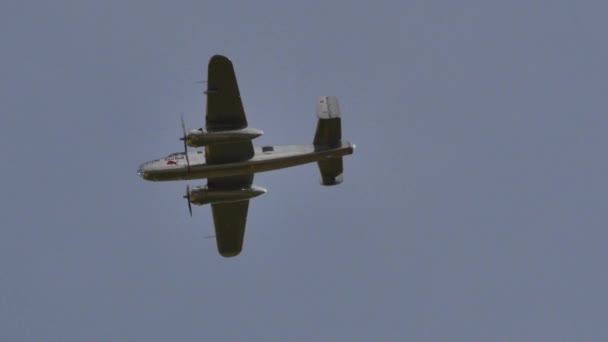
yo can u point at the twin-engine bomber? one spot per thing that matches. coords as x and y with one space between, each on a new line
229 160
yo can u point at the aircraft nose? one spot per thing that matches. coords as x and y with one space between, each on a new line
141 170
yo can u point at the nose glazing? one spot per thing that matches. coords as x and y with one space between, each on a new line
141 170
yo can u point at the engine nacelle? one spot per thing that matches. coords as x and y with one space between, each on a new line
201 137
203 195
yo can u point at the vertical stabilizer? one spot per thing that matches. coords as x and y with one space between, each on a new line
329 126
327 136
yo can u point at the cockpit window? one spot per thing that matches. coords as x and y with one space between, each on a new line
176 154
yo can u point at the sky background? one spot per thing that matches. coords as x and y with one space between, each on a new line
473 209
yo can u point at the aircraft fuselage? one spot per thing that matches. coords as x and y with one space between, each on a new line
267 158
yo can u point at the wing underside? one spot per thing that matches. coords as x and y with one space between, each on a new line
224 105
225 112
230 219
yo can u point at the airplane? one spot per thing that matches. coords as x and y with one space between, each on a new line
229 160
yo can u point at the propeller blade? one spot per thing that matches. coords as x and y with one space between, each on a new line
184 138
181 117
186 153
188 198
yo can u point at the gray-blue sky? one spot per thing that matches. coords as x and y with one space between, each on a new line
474 208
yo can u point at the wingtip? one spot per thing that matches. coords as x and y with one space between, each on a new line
219 58
229 254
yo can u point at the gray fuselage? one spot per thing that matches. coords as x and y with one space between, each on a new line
267 158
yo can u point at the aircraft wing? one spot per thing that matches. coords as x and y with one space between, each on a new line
225 112
230 218
224 106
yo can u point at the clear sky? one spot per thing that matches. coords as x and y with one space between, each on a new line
474 208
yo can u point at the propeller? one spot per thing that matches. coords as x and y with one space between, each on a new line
184 138
187 196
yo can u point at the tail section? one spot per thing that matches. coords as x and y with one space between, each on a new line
331 171
329 126
327 136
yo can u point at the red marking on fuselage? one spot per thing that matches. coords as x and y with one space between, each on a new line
171 162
